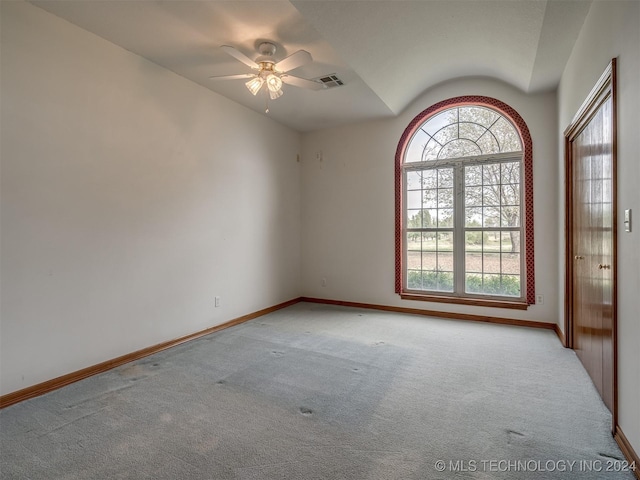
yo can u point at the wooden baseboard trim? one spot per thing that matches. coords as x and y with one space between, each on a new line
435 313
628 451
59 382
560 335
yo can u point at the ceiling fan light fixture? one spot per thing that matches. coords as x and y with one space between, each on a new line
255 84
274 84
266 71
273 95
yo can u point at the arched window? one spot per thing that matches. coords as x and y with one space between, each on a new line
464 205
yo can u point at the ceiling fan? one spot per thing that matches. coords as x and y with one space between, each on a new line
269 72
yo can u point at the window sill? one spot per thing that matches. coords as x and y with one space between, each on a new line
478 302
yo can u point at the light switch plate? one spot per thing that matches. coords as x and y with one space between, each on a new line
627 220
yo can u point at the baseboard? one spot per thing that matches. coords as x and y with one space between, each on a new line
627 450
560 335
436 313
59 382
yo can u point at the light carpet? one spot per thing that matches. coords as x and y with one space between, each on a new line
324 392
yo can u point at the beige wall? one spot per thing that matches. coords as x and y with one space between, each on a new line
612 29
130 198
348 203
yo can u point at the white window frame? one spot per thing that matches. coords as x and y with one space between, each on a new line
459 229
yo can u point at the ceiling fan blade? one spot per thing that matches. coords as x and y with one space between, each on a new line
295 60
238 55
302 82
232 77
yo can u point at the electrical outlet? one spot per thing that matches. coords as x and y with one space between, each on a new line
323 282
217 301
539 299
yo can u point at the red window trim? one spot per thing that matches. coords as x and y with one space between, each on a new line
527 144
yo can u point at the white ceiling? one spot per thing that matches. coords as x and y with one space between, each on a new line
387 52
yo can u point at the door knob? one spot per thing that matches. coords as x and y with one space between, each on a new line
605 267
600 266
579 257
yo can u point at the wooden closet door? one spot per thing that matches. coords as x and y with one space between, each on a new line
592 234
591 261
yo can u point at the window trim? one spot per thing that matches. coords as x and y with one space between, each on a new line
527 194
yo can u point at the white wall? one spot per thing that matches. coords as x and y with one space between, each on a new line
612 29
130 198
348 204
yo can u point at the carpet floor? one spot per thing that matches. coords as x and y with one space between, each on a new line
323 392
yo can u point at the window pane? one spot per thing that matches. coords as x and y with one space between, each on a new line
473 241
511 242
445 217
413 260
414 279
473 175
510 216
437 281
491 241
414 241
414 180
429 217
511 172
491 174
471 131
473 262
490 195
430 178
507 136
490 217
445 282
445 177
431 151
488 143
491 284
429 261
511 285
446 134
480 115
510 194
473 283
460 148
429 242
414 199
445 241
473 217
430 280
473 196
511 263
445 198
491 263
438 121
416 147
414 218
445 262
430 199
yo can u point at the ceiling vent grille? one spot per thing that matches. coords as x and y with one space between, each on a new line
329 81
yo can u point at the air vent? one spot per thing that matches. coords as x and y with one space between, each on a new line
329 81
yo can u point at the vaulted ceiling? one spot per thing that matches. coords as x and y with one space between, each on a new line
386 52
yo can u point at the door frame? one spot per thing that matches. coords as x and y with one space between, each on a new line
604 88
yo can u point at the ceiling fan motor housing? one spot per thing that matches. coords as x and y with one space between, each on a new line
267 50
